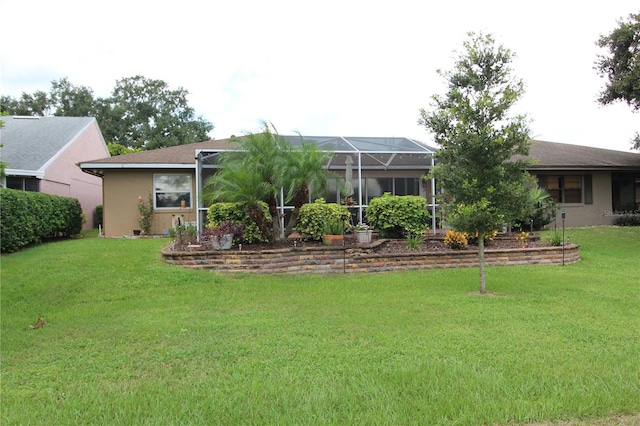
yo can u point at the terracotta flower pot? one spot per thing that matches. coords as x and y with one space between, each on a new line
332 240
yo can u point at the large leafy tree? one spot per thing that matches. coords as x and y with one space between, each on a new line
621 65
141 113
478 139
147 114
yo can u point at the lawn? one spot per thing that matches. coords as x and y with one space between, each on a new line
130 340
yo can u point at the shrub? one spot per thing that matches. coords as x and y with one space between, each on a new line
455 240
488 237
237 213
313 216
554 239
522 238
627 220
32 217
398 215
145 214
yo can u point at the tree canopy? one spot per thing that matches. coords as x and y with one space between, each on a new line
482 186
141 113
621 65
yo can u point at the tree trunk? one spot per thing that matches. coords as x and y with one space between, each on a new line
255 213
300 197
483 283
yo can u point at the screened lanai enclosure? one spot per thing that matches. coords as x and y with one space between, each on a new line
365 167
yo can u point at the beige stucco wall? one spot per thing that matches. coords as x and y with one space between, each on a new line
121 191
598 213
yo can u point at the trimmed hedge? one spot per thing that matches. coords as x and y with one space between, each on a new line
313 217
32 217
397 216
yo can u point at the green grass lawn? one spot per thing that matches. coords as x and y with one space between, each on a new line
130 340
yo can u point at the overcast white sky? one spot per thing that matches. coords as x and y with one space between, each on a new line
325 68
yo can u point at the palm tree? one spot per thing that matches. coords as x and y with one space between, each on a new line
305 172
254 173
234 184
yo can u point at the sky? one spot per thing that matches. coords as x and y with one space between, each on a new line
323 68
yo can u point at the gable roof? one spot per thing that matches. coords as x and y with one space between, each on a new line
547 155
32 143
562 156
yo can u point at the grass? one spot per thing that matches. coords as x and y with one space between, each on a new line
130 340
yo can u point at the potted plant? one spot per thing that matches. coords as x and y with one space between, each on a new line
333 231
363 233
221 236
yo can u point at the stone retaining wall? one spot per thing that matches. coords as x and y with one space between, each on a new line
325 259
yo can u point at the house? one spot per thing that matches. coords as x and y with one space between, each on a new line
592 185
174 177
42 154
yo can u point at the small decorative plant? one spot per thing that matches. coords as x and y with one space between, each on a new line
226 227
455 240
522 238
415 240
554 239
362 227
145 214
333 226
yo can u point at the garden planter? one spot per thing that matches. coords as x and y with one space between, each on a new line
363 237
332 240
222 243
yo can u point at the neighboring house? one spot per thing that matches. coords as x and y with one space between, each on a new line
592 185
175 175
42 154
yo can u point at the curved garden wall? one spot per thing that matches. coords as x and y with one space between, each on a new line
327 259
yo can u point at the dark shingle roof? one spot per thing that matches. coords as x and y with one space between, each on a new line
557 156
31 142
549 155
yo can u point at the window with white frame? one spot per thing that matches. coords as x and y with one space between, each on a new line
172 191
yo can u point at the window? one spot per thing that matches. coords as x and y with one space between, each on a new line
172 191
563 189
23 183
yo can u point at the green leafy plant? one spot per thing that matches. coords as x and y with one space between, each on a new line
33 217
398 215
334 226
554 239
145 214
237 212
414 241
312 218
456 240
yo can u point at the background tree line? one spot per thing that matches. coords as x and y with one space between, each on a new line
140 114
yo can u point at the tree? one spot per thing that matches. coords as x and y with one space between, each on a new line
147 114
117 149
305 173
68 100
478 139
621 65
254 173
140 114
37 104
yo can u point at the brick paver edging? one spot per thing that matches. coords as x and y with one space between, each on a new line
326 259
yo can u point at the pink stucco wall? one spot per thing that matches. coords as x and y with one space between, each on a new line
63 176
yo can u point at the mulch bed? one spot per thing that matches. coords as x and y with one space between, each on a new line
399 246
